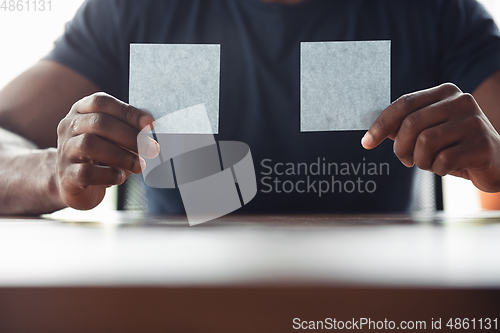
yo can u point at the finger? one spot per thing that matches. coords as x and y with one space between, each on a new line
83 175
475 153
389 121
455 160
92 148
415 123
122 134
104 103
432 141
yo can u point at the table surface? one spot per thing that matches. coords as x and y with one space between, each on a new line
127 249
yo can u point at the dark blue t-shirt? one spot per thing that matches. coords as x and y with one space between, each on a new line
433 41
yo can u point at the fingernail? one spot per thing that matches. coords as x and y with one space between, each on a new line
143 164
367 141
123 176
153 149
147 146
407 164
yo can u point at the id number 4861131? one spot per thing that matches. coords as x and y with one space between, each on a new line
466 323
26 5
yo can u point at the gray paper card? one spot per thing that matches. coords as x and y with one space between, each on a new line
344 85
165 78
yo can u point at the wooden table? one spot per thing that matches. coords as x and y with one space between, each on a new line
127 273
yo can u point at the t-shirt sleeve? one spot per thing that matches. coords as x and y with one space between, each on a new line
90 45
470 44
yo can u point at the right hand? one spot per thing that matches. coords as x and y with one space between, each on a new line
97 147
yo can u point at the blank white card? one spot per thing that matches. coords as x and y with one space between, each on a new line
343 85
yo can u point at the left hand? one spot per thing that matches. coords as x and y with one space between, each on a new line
442 130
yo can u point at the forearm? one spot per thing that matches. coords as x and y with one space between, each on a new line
27 177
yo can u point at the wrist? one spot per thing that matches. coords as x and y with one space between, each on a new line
52 184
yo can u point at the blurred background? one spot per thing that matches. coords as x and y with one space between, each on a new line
25 37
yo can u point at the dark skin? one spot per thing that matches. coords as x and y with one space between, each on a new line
441 129
444 131
96 141
84 171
